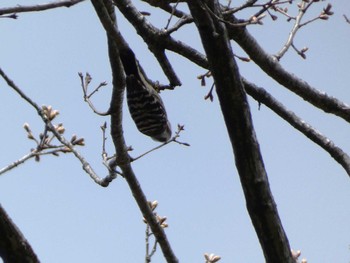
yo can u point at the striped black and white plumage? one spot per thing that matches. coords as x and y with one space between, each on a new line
145 105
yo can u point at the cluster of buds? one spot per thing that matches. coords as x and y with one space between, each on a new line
49 112
77 141
202 78
303 51
44 140
28 130
211 258
160 219
326 12
60 128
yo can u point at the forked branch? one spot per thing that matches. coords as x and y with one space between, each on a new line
86 166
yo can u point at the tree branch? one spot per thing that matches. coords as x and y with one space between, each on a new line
260 203
14 247
293 32
105 11
35 8
86 166
262 96
274 69
167 7
151 35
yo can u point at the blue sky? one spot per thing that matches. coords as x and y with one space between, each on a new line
68 218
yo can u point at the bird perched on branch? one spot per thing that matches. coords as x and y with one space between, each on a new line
145 105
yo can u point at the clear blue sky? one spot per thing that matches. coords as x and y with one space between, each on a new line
68 218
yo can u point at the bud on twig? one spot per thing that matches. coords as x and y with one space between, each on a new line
211 258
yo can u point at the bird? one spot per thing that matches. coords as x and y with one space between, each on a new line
145 104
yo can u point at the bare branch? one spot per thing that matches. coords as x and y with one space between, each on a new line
42 7
248 3
160 38
173 11
346 19
17 162
14 247
292 34
303 7
180 23
164 5
274 69
151 35
171 15
85 85
235 109
262 96
251 21
105 11
86 166
173 139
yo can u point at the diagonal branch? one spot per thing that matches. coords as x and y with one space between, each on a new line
105 11
86 166
274 69
151 35
35 8
14 247
164 5
293 32
165 40
262 96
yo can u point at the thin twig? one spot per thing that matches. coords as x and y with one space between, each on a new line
293 32
173 139
147 234
171 15
17 162
85 85
181 22
86 166
249 3
346 19
109 162
210 93
164 5
154 249
252 21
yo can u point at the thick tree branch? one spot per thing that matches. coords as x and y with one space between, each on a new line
122 157
35 8
151 35
260 203
273 68
262 96
14 247
162 39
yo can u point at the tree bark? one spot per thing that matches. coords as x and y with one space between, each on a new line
13 245
235 109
